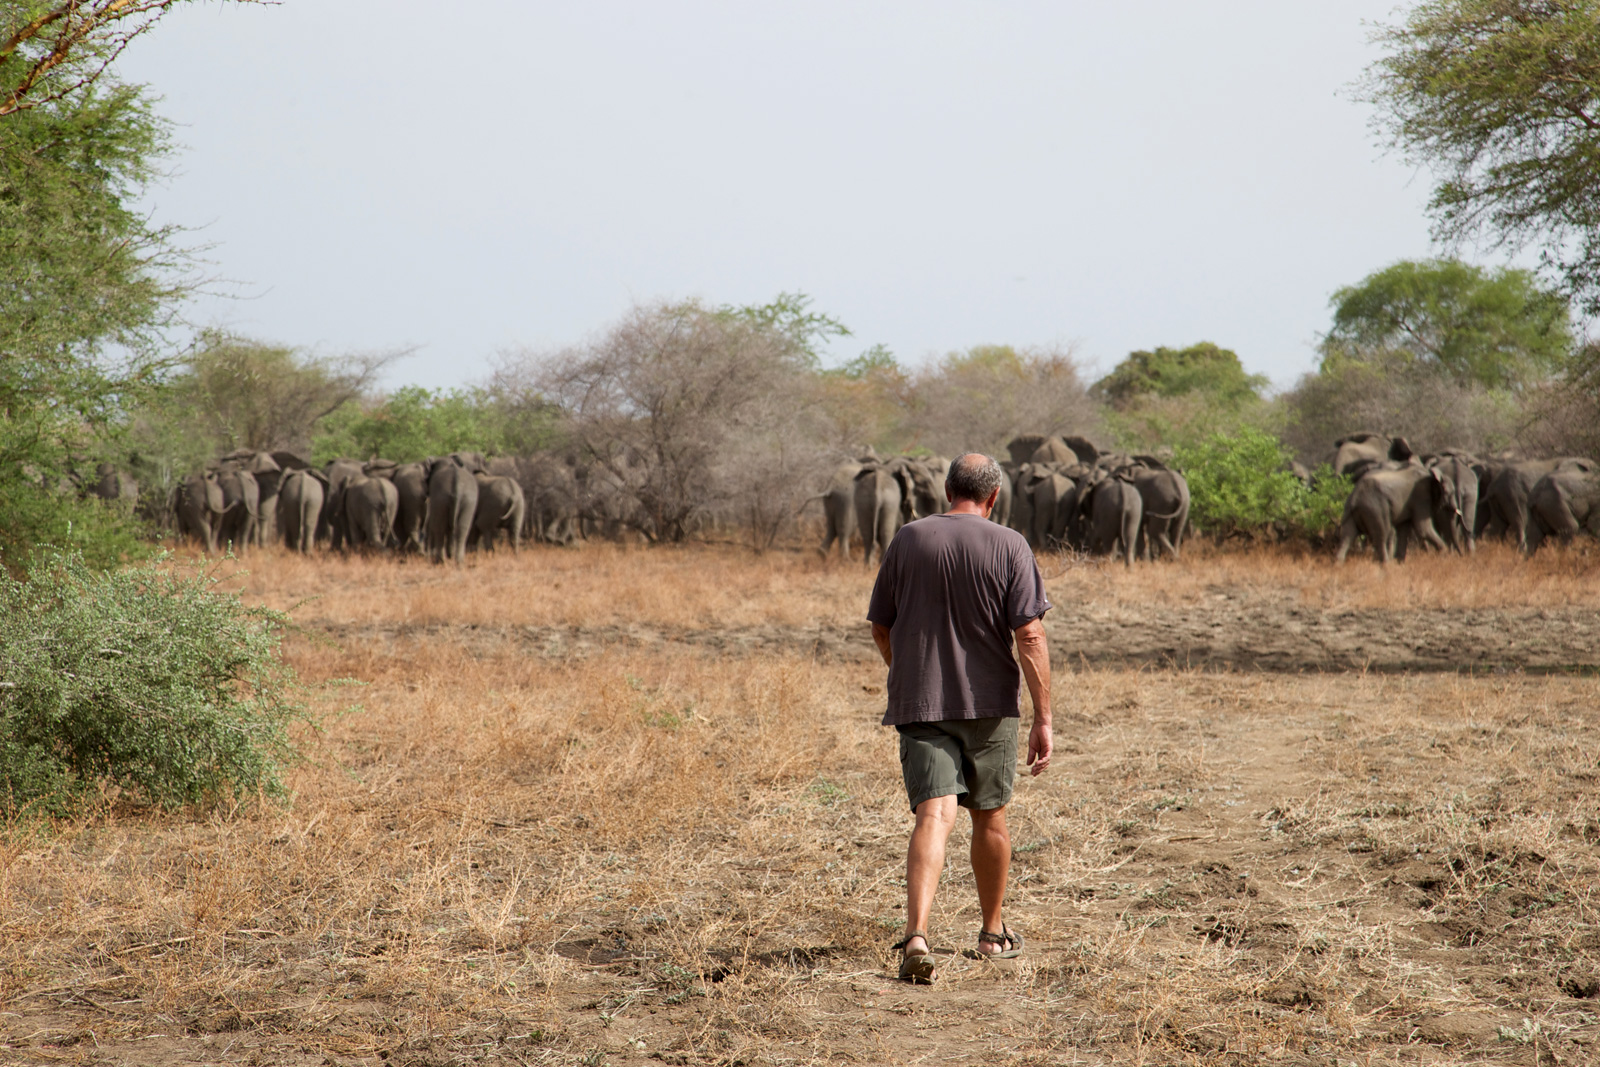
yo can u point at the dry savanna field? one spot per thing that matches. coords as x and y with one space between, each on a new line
611 805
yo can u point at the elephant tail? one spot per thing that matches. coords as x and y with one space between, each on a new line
1163 514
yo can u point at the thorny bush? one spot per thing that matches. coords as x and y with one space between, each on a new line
142 681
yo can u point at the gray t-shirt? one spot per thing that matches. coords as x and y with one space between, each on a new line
951 589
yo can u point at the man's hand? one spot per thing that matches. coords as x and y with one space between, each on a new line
1034 653
1039 747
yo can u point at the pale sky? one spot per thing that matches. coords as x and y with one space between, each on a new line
937 175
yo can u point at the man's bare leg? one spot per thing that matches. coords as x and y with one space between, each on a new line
991 864
936 817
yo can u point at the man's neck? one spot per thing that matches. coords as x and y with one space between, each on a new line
968 507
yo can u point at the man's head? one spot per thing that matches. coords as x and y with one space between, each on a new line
973 477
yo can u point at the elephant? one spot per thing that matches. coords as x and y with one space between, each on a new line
411 517
550 487
115 486
1114 511
1505 513
452 504
370 505
1023 446
1564 502
1354 450
1455 519
889 494
1065 451
331 525
1020 516
241 497
472 461
1053 494
199 507
1053 450
300 497
501 506
938 469
268 473
1003 503
839 509
1387 505
1164 498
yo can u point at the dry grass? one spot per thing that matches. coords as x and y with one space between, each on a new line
693 855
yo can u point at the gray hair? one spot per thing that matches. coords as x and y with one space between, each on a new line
973 476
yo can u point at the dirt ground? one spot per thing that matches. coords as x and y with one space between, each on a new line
603 807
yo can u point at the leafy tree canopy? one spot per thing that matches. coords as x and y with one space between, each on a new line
875 362
413 423
1203 368
1501 98
1498 328
790 316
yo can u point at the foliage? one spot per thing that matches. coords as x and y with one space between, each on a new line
50 50
33 516
141 679
82 275
1397 395
687 413
1241 484
877 361
789 316
1501 98
1203 368
981 398
1498 328
259 396
413 423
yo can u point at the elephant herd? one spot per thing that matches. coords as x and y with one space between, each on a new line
440 506
1059 492
1452 498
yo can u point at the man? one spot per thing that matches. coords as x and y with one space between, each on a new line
952 591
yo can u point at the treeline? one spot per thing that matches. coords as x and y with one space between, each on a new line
695 417
698 416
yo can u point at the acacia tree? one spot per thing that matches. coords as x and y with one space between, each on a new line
686 413
1499 328
88 285
981 398
1501 98
51 50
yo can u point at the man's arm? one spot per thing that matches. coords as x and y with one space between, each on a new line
880 635
1033 652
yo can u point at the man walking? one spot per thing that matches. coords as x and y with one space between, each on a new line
952 591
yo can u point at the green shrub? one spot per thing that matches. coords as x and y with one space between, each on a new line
1240 483
30 516
155 683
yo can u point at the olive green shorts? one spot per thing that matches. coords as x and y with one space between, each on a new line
975 760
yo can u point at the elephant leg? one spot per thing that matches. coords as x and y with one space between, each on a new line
886 528
1347 537
1533 539
1165 542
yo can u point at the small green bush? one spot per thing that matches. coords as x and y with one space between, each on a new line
103 535
1239 483
152 682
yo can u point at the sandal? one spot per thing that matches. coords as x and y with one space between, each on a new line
915 967
1005 936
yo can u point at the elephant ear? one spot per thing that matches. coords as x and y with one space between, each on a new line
1400 450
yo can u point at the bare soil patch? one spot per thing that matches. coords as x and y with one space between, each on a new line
679 840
